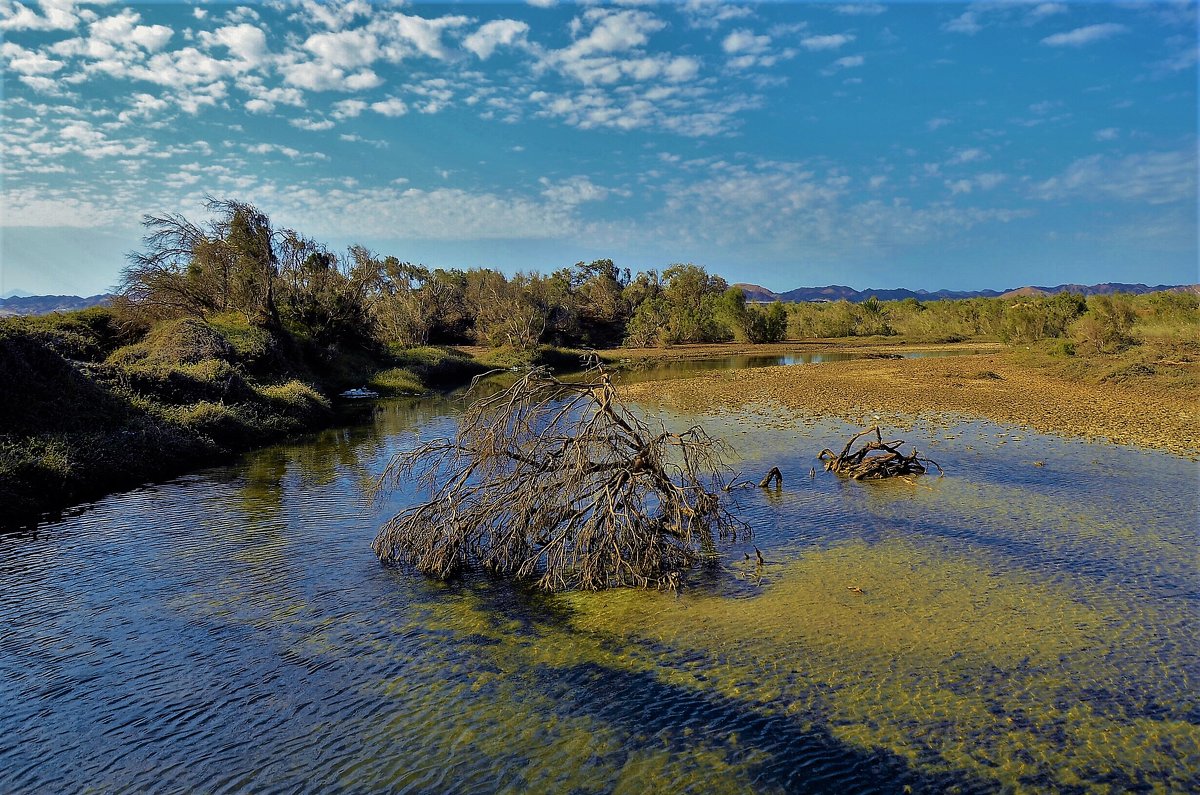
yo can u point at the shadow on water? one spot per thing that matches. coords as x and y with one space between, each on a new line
782 755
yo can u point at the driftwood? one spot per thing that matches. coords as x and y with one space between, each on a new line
773 475
875 459
559 481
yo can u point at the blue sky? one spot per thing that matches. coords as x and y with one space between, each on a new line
956 146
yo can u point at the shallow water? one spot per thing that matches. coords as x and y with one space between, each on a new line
650 370
1027 622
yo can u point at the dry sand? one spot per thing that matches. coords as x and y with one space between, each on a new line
988 385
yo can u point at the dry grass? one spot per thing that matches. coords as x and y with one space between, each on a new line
1134 411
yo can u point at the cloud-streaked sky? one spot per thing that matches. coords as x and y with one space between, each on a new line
874 145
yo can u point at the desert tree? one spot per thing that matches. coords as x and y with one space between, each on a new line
231 263
559 481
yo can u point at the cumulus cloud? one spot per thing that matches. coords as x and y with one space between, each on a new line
28 62
711 14
1080 37
404 35
245 42
346 49
390 107
831 42
745 41
497 33
56 15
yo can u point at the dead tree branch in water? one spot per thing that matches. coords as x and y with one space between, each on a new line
561 481
889 461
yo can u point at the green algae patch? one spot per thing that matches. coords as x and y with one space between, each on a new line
939 660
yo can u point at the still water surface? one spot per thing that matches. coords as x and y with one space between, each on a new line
1028 622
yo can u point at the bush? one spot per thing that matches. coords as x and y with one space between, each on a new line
183 341
1107 325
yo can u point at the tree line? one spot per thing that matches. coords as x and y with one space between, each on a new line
281 280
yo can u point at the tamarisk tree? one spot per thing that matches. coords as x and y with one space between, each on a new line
559 481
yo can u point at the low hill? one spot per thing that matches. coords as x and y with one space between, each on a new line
835 292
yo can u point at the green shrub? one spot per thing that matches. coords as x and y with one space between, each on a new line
1107 326
183 341
296 400
396 381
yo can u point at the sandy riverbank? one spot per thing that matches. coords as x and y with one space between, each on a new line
989 385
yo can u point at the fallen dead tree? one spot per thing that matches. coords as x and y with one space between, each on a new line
560 481
875 459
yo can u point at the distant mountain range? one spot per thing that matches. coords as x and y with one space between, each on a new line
23 304
45 304
836 292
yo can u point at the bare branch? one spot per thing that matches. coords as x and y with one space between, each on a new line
561 481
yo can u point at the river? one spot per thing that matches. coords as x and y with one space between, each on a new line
1027 622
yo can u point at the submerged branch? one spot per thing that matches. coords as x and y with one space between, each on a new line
561 481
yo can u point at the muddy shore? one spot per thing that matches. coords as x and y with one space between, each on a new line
988 385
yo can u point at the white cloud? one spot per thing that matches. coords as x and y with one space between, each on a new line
831 42
28 62
970 155
122 28
1151 178
849 62
1085 35
402 36
497 33
745 41
312 125
1044 10
542 3
861 9
39 207
1107 134
573 191
613 31
968 23
710 14
245 42
56 15
266 149
937 123
390 107
263 99
143 106
348 109
333 15
990 180
320 76
346 49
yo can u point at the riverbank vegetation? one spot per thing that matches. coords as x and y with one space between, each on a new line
228 333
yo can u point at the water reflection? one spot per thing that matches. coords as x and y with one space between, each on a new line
1018 627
